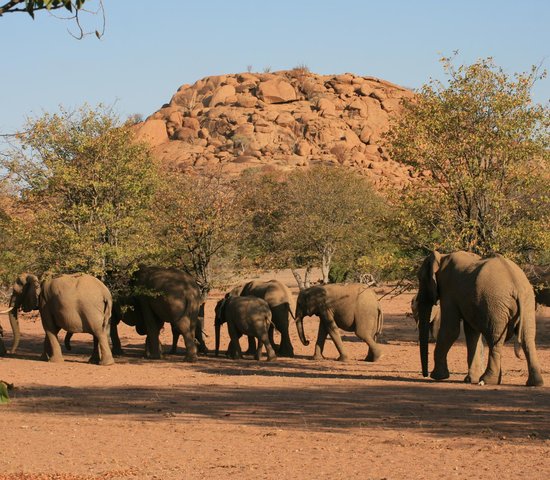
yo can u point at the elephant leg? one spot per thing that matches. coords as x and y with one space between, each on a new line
56 355
199 340
52 348
252 345
535 375
3 350
105 354
187 327
115 339
493 373
375 352
280 321
320 343
336 338
448 333
474 346
153 349
175 337
47 351
236 352
264 341
95 353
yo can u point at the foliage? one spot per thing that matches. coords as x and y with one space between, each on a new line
483 148
74 7
85 190
31 6
197 225
310 218
4 396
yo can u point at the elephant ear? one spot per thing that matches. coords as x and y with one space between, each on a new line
220 310
26 291
427 278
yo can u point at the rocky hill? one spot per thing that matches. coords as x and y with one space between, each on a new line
288 119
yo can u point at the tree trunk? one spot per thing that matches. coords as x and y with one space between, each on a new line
326 261
305 282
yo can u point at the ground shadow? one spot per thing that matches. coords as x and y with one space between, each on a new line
443 410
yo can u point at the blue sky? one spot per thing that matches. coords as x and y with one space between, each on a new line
150 48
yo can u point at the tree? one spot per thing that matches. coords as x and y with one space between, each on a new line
85 190
75 7
197 225
483 147
312 218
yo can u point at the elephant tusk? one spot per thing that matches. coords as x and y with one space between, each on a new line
7 311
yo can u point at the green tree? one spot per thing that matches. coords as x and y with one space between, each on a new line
85 190
482 145
198 225
312 218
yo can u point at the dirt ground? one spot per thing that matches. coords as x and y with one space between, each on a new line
292 418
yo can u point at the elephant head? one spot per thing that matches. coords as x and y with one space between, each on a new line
427 297
24 296
219 320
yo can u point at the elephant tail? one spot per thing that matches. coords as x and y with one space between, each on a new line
379 322
519 329
522 302
107 311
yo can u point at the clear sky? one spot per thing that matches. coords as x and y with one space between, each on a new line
151 47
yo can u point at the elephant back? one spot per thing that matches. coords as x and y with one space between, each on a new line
167 288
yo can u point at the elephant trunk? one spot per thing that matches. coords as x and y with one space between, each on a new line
14 322
300 328
217 326
424 311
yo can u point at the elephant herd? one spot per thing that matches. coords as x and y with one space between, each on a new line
492 297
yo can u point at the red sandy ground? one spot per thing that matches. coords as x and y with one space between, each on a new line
293 418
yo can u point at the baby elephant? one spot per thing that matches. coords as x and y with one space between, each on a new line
244 316
351 306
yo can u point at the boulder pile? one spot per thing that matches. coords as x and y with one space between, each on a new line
284 120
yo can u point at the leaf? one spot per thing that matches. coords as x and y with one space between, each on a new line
4 397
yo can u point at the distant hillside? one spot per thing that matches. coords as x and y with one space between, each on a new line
288 119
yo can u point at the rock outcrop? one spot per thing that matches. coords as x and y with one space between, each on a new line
288 119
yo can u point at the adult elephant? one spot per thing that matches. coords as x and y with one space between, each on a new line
159 295
353 307
492 296
277 296
23 297
77 303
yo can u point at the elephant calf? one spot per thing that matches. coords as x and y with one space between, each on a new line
244 316
352 307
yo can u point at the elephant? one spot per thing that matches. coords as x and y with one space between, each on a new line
435 318
248 315
277 295
349 306
160 294
494 299
22 297
77 303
